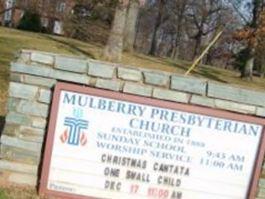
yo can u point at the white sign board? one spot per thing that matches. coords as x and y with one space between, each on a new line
109 148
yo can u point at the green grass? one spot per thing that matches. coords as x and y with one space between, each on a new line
2 194
12 41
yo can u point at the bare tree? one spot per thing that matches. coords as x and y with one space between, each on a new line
204 19
248 34
130 28
77 24
260 49
113 49
158 22
178 10
125 9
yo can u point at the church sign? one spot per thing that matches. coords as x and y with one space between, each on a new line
104 144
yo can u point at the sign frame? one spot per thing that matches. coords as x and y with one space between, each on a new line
60 86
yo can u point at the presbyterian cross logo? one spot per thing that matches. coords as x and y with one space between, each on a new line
74 134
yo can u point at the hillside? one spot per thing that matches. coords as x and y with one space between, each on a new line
11 41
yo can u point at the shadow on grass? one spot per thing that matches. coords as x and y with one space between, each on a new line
179 66
150 58
2 124
206 73
71 46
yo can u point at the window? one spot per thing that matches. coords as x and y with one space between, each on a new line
8 6
61 7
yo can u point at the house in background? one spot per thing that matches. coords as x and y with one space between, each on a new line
52 12
7 15
10 15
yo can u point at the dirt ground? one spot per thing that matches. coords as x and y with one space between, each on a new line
12 191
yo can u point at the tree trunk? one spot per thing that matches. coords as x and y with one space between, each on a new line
113 49
262 72
177 42
248 69
257 4
156 28
130 28
176 46
179 27
198 40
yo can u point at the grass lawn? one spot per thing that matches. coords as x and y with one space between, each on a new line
11 41
2 194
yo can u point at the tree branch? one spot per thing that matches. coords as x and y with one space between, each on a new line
239 12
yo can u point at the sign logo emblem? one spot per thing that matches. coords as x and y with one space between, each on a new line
74 134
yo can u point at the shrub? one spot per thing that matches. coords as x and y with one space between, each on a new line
30 21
